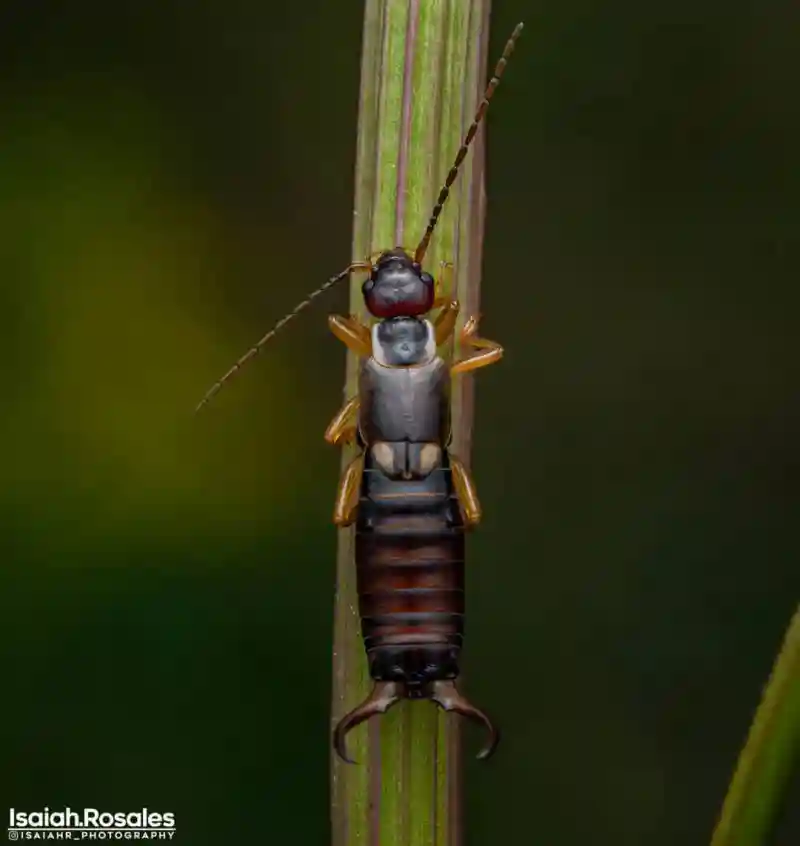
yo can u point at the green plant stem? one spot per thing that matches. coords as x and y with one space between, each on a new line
772 748
422 74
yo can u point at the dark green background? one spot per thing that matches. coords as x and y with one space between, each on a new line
173 177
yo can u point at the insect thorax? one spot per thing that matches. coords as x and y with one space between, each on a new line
404 385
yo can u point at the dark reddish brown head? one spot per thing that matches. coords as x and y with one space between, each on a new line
398 287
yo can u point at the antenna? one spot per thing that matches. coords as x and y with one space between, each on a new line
255 350
419 254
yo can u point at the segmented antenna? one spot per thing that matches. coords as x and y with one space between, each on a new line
419 254
255 350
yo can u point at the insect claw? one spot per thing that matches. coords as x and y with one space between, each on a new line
446 695
384 694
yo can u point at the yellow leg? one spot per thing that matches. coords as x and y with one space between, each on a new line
344 510
347 435
446 321
342 428
351 332
465 491
489 351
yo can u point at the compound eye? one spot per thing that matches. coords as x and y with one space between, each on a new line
427 279
367 287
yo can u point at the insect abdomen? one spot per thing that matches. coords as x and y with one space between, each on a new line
410 565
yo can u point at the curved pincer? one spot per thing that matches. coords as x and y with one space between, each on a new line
446 695
382 697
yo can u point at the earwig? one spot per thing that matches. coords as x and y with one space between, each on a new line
409 497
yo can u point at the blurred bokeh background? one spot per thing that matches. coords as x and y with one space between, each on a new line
174 176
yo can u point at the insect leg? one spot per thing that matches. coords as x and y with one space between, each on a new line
465 491
342 428
347 495
489 351
446 321
351 332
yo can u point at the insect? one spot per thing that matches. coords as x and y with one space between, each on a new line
409 496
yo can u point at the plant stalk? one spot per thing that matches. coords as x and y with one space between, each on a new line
771 750
423 72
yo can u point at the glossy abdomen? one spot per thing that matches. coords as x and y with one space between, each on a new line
410 567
